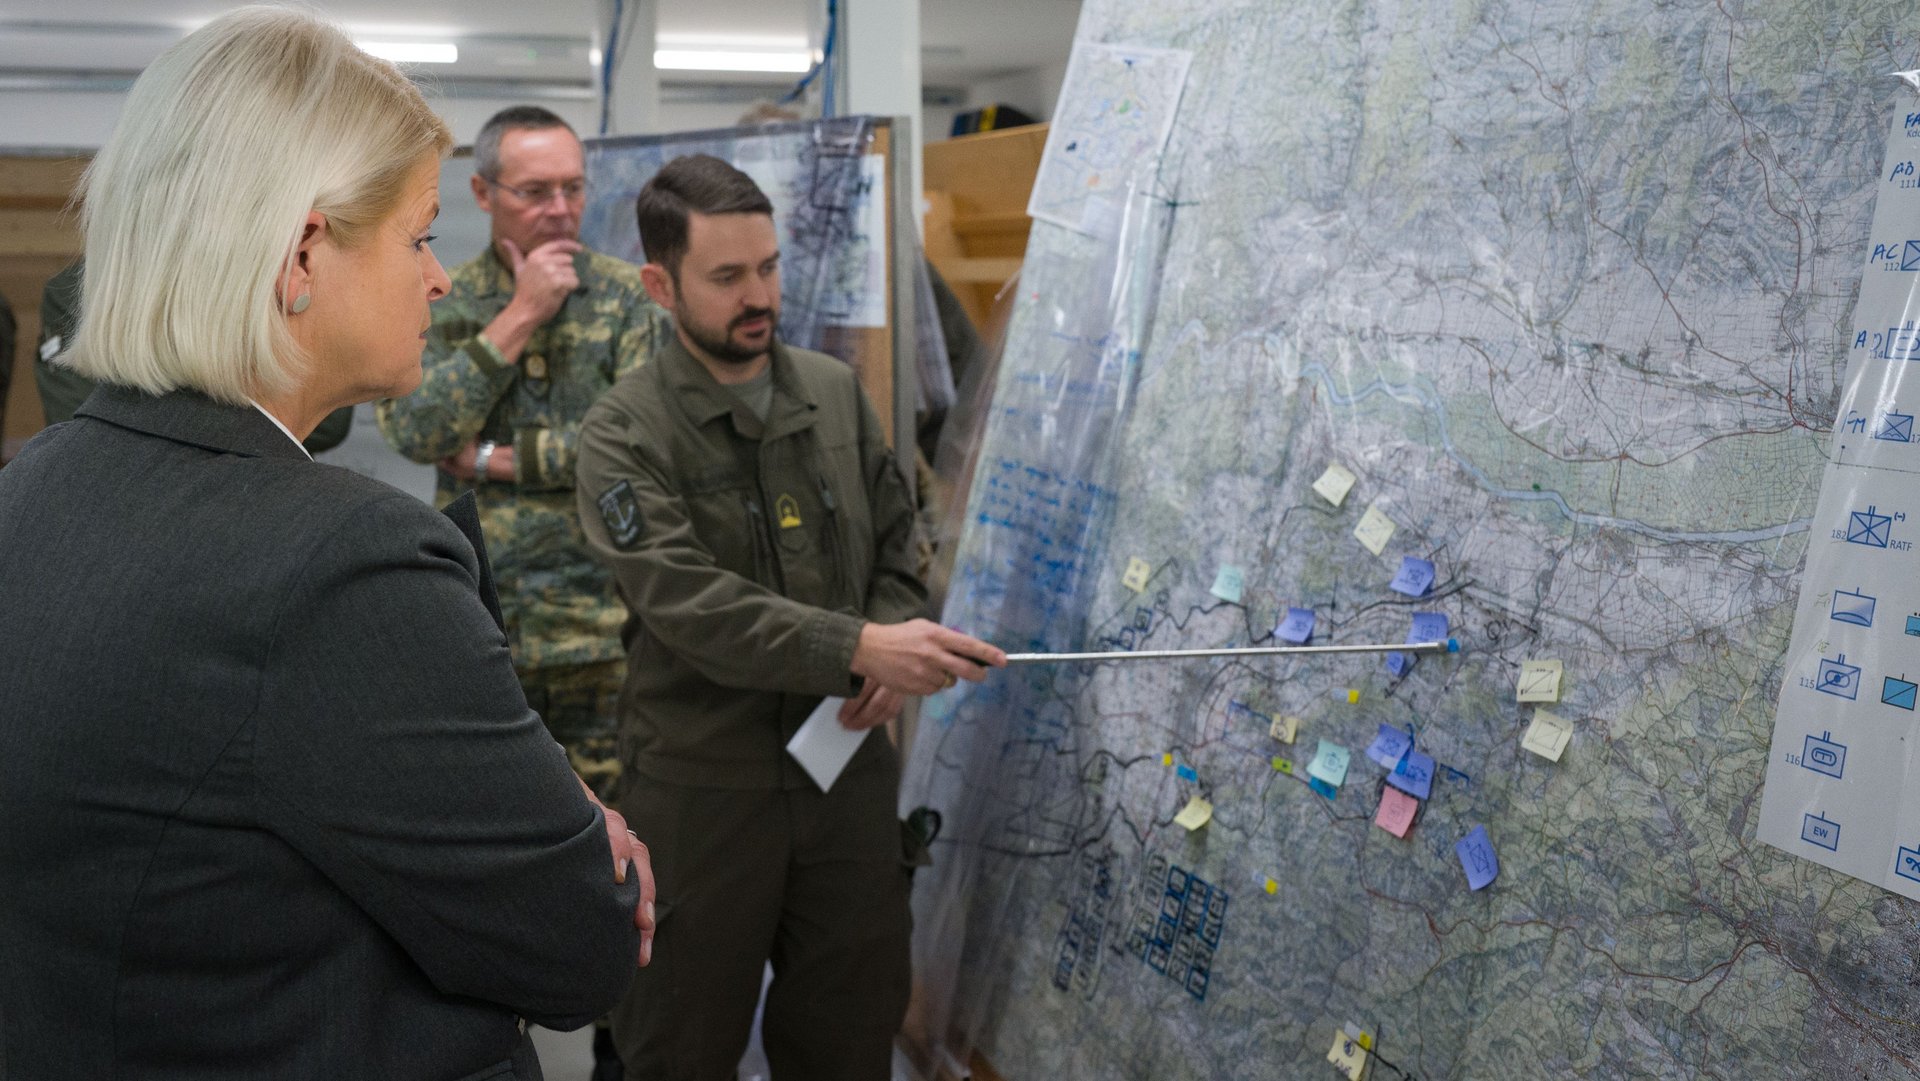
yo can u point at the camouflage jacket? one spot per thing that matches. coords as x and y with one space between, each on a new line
559 603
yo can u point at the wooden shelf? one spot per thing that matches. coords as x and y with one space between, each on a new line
976 228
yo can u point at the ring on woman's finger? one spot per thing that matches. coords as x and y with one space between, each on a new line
951 680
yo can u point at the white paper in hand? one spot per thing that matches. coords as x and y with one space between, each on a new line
823 745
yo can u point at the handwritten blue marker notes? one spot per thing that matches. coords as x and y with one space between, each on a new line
1415 577
1229 583
1414 775
1391 746
1297 627
1329 764
1477 858
1427 627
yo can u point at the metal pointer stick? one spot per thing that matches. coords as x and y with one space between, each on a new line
1451 645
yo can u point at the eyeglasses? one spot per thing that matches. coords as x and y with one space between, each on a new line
572 190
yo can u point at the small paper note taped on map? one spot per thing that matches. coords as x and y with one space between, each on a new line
1477 858
1330 764
1297 627
1415 577
1428 627
1229 583
1196 813
1390 746
1284 728
1335 483
1138 571
1547 736
1186 773
1375 530
1348 1057
1284 765
1539 681
1414 775
1396 811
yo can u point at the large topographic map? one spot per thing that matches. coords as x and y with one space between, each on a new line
1567 287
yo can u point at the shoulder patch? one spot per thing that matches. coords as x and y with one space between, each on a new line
621 511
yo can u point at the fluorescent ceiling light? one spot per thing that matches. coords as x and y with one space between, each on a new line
731 60
413 52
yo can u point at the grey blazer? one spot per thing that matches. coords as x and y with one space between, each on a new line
272 804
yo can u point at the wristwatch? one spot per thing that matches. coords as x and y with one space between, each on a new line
481 455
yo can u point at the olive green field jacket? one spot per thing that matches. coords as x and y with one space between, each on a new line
749 557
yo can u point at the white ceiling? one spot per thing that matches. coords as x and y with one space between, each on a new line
962 41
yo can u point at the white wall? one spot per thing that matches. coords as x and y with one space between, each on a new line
1033 91
81 120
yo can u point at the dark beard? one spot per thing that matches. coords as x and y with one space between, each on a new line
722 348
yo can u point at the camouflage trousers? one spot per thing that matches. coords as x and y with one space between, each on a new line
580 704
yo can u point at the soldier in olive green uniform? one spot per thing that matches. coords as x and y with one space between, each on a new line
533 332
745 497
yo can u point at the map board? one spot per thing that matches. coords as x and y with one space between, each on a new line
1566 292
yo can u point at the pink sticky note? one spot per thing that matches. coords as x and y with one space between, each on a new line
1396 812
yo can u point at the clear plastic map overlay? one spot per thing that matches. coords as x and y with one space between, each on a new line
1567 294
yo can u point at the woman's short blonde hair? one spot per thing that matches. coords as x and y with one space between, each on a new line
194 206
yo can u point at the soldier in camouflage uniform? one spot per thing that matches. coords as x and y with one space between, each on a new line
533 332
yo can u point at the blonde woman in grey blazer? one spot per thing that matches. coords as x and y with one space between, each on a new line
272 804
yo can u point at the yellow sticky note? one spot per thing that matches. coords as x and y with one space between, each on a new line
1283 765
1335 483
1272 887
1284 728
1348 1057
1539 681
1167 759
1547 736
1353 698
1196 813
1138 571
1375 530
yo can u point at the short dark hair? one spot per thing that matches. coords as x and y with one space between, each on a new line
486 146
694 184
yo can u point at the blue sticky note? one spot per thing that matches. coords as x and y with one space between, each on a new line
1297 627
1186 773
1415 577
1390 746
1428 627
1398 663
1322 787
1477 858
1414 775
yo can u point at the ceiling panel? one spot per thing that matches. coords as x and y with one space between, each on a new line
962 40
